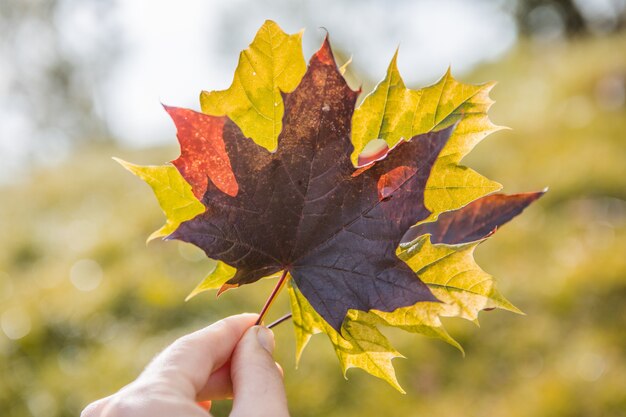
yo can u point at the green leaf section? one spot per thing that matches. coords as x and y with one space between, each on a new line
214 281
274 62
453 276
393 112
172 192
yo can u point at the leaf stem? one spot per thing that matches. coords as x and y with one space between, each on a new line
280 320
279 286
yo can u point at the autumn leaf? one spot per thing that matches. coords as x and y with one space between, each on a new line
273 180
307 210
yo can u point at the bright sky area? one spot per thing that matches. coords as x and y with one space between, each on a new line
172 50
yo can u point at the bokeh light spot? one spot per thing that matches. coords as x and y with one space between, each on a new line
86 274
15 323
591 367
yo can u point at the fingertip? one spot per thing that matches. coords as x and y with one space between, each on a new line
245 320
247 316
257 381
266 338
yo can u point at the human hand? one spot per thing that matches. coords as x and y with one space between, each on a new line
227 359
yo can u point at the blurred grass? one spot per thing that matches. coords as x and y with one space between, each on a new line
562 262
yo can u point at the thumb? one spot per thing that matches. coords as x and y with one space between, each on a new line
258 388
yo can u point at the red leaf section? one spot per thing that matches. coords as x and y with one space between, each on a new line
202 151
476 221
392 180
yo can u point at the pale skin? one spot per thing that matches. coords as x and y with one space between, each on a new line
229 359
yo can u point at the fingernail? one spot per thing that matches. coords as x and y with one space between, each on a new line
266 338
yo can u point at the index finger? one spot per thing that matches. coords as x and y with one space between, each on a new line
185 365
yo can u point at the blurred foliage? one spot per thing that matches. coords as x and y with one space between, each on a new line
85 304
56 55
571 18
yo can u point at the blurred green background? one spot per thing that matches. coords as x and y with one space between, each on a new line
85 304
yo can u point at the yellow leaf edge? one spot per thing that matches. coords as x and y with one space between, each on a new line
221 273
172 192
254 101
351 349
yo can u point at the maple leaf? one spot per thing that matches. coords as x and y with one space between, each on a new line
305 208
273 180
